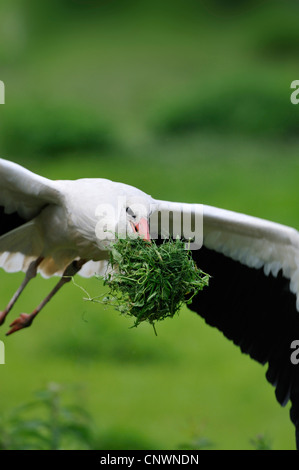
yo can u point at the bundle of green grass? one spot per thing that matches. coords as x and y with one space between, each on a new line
149 281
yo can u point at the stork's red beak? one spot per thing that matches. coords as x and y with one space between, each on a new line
142 228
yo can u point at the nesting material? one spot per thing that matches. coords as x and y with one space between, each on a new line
151 282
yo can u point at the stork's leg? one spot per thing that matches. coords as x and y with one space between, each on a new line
25 320
30 274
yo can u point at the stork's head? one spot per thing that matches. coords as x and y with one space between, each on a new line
126 214
137 220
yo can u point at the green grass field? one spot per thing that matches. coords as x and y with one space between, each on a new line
116 82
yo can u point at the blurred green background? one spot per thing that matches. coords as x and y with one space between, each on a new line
189 101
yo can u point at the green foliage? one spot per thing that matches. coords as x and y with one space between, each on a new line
197 443
46 129
52 426
151 282
252 109
261 442
47 424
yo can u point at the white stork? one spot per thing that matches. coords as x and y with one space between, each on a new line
51 227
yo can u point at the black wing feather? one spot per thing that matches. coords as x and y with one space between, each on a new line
9 222
258 313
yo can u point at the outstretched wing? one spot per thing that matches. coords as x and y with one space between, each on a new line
23 195
253 296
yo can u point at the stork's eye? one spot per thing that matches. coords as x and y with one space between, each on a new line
130 212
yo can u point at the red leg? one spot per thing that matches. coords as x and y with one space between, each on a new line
25 320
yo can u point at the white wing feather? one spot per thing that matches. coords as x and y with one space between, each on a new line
26 193
23 191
